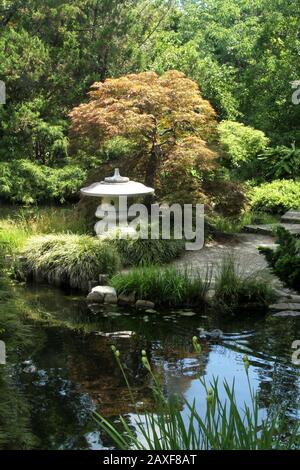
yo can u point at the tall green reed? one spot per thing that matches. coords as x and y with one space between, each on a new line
221 425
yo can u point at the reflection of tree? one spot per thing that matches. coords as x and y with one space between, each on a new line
271 345
14 409
279 384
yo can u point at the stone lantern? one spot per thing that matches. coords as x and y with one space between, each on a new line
115 191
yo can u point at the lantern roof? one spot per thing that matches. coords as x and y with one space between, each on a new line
117 185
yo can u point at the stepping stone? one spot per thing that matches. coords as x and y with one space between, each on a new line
268 229
186 313
287 313
285 306
291 217
295 299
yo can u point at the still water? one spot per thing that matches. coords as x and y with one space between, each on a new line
67 370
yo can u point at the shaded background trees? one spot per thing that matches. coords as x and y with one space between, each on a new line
243 54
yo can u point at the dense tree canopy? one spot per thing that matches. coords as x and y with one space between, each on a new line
243 55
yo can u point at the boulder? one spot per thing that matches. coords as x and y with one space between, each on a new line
110 299
95 298
144 304
126 299
103 290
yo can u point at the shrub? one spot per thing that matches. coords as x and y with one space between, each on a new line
70 260
241 143
276 197
163 286
285 260
221 424
234 291
280 162
26 182
228 197
141 252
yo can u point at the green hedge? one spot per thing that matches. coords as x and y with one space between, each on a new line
26 182
285 260
276 197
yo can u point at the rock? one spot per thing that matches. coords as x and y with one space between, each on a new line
284 306
103 290
103 279
291 217
150 310
95 297
126 299
294 298
144 304
99 293
110 299
187 314
287 313
30 369
268 229
114 314
116 334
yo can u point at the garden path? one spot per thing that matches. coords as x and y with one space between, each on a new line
243 247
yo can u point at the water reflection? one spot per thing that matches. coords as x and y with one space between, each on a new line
70 371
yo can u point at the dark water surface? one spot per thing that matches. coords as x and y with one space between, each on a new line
68 371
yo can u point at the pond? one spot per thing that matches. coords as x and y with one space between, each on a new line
68 370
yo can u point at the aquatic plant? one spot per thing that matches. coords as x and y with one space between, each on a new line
70 260
17 337
221 426
164 286
234 290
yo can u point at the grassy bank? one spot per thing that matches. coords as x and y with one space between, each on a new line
235 290
165 287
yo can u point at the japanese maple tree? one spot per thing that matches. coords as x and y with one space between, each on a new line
165 116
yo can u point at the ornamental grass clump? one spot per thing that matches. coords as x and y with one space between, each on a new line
217 424
140 252
164 286
68 260
235 290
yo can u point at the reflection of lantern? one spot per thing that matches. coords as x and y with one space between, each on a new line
113 190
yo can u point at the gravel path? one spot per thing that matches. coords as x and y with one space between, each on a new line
242 247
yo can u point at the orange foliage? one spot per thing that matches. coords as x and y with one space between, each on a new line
165 115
